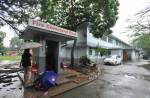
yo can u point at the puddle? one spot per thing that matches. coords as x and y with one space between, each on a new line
130 77
4 62
10 85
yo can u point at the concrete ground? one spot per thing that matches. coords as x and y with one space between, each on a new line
129 80
12 87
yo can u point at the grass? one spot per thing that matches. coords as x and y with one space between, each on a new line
10 57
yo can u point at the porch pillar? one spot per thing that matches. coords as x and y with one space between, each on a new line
42 57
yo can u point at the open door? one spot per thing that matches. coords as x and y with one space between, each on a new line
52 55
125 56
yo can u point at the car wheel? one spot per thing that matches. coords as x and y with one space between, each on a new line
115 63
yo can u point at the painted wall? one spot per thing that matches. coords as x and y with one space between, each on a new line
117 52
85 37
135 55
94 57
79 51
92 41
82 33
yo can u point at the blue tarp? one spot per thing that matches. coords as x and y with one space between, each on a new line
46 80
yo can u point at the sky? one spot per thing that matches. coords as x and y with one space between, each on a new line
127 9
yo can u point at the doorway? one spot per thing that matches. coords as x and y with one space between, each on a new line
125 56
52 48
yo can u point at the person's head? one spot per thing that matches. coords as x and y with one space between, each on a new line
27 51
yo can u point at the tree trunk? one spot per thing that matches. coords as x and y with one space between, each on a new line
72 53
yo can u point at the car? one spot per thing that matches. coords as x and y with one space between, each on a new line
145 57
113 60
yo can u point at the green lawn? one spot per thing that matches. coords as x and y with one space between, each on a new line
10 57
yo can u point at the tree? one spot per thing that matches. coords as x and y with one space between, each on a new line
140 24
16 43
2 36
16 12
102 51
101 14
142 41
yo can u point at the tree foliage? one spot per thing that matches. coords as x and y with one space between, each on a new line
142 41
15 12
101 14
16 43
84 60
102 51
2 36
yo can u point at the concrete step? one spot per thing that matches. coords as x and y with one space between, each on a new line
62 80
21 77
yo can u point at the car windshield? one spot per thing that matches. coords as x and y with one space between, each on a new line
111 56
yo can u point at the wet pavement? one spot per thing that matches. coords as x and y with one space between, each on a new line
6 62
128 80
10 85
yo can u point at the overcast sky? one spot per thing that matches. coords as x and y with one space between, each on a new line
127 9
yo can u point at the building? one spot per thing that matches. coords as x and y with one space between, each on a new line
11 53
51 37
86 46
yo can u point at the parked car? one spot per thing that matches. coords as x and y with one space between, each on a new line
145 57
113 60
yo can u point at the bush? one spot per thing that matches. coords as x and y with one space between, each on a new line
84 60
20 53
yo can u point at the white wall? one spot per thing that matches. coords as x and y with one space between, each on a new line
117 52
133 55
66 52
84 36
82 33
91 40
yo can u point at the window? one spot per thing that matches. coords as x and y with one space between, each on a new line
96 53
104 38
121 44
90 51
110 40
118 56
117 43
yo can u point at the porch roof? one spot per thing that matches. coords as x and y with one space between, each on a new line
37 29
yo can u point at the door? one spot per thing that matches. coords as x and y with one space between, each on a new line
52 55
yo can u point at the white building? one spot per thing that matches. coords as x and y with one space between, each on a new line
86 46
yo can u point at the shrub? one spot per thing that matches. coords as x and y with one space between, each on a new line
84 60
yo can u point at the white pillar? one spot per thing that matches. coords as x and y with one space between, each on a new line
42 57
59 57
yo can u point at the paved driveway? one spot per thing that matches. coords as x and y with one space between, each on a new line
129 80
